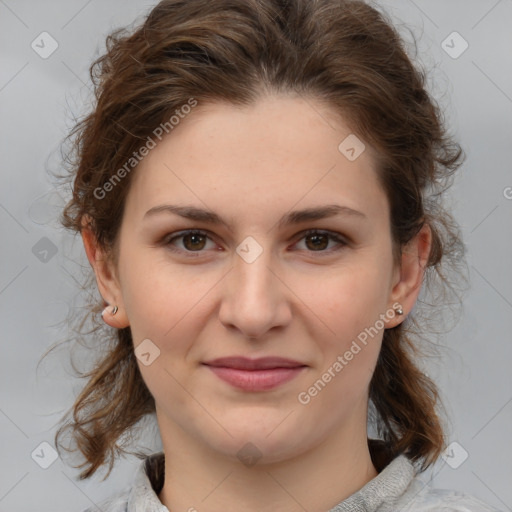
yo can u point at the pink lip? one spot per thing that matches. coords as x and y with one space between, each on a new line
255 374
262 363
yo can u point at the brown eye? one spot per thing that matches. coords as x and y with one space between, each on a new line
318 241
192 241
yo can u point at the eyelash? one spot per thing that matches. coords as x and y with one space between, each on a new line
334 236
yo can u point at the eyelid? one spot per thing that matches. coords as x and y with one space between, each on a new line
340 239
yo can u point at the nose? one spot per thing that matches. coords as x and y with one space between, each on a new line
255 298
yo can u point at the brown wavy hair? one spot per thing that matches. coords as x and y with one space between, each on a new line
346 54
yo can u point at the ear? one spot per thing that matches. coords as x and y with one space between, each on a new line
409 278
106 278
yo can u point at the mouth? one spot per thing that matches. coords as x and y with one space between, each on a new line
263 363
255 374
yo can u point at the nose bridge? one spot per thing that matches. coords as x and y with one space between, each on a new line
252 272
253 300
254 282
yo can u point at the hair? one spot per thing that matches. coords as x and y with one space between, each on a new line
343 53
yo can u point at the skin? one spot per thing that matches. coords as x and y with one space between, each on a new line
252 165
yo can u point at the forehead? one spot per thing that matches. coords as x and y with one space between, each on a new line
271 155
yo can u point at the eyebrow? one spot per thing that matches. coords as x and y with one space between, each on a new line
294 217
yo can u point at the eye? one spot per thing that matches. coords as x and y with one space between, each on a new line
195 240
317 241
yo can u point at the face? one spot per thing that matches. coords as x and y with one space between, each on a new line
257 286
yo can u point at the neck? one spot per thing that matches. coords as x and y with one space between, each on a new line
198 478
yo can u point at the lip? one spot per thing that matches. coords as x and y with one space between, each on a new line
255 374
262 363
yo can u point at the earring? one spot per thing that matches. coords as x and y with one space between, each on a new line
399 310
113 312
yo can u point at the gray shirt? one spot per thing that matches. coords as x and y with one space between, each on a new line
395 489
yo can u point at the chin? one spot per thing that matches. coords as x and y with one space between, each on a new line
254 443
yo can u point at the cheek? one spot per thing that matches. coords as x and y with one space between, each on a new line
349 335
349 348
158 295
350 301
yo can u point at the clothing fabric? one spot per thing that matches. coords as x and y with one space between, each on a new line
395 489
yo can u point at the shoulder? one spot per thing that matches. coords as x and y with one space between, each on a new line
115 503
423 498
142 493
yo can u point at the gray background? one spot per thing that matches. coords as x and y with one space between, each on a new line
38 99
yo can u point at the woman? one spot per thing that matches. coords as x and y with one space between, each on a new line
257 190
